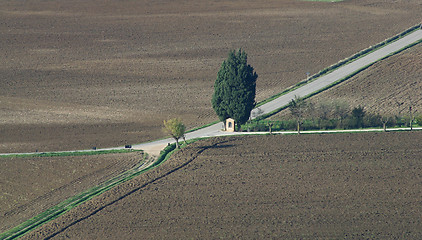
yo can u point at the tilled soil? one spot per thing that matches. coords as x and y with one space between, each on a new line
78 74
388 87
353 186
31 185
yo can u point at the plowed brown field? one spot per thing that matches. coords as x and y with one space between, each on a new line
29 186
334 186
77 74
388 87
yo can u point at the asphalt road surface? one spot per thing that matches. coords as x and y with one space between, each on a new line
320 83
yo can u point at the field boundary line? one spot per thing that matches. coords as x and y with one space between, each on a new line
52 213
68 153
166 154
72 202
341 63
311 79
340 80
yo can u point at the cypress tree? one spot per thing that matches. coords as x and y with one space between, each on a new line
235 88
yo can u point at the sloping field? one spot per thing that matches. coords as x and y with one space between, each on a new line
363 185
388 87
31 185
78 74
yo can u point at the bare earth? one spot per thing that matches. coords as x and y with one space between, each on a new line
78 74
29 186
334 186
388 87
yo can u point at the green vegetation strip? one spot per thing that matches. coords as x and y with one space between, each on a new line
323 0
342 63
327 71
334 67
74 201
65 154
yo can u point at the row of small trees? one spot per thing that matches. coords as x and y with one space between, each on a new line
234 97
331 115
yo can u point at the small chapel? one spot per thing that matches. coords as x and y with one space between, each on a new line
230 125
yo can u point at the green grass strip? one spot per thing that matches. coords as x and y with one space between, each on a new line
412 29
72 202
342 63
323 0
322 73
65 154
63 207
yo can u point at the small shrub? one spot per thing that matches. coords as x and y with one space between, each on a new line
166 151
372 120
418 120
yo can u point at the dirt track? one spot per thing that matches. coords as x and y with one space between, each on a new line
353 186
78 74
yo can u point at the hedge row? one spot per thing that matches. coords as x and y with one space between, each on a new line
371 120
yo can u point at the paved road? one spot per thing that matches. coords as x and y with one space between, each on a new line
340 73
320 83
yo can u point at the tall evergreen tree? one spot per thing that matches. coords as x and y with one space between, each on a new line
235 88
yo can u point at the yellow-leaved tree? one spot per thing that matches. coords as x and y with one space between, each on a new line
175 128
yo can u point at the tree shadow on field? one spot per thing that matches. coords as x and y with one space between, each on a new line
216 147
92 212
